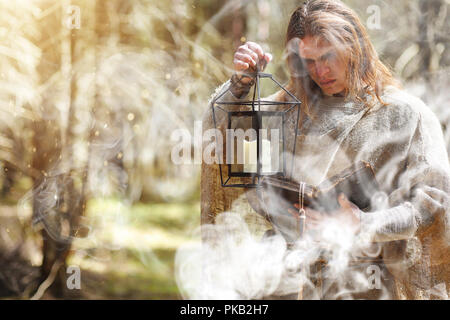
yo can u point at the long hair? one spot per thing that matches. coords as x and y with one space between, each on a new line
334 22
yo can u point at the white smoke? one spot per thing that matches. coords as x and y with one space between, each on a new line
232 263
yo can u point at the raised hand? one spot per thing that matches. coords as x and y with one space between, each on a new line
249 57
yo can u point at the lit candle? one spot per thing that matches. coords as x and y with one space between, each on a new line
250 156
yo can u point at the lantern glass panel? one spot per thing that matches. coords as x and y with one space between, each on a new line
240 157
271 136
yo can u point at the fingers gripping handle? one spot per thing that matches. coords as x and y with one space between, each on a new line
261 65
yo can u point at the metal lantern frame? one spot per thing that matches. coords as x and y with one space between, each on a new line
256 114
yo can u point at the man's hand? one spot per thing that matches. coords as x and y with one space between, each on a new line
348 214
248 56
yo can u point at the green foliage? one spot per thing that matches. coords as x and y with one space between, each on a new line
129 252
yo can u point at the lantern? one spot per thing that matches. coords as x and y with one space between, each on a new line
255 139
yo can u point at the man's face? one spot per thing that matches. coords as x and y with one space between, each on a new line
324 65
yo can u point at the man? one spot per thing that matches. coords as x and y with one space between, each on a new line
353 110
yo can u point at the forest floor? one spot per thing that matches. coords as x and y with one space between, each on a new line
128 253
131 251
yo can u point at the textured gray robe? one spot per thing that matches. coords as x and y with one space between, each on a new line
404 144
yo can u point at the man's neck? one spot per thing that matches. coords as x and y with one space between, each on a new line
340 94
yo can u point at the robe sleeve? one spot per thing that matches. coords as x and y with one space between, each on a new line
422 194
211 192
214 199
